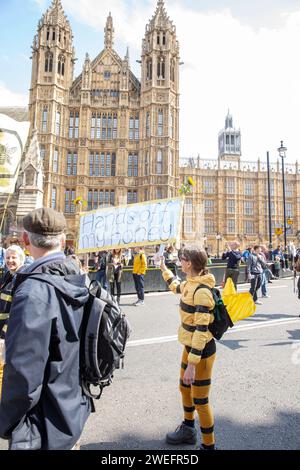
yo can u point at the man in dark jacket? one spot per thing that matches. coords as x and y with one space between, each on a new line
234 256
43 405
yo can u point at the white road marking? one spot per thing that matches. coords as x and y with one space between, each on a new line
241 288
269 287
247 327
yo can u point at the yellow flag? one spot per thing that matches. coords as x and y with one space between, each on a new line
239 306
229 288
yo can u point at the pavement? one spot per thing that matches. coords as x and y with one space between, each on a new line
255 391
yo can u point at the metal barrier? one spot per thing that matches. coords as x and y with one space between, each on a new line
154 281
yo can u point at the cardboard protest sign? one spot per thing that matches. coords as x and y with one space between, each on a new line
148 223
13 136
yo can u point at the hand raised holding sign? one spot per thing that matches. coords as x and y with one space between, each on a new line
163 267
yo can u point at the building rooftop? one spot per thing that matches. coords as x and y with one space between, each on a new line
18 113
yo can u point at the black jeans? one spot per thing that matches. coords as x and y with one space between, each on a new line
255 285
139 282
118 284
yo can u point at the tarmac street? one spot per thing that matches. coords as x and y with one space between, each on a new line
255 388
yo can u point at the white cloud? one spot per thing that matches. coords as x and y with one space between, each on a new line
10 98
39 3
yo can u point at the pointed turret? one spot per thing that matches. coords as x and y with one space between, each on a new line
55 15
160 18
109 33
230 141
87 73
228 121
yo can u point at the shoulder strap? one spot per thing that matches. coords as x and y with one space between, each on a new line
202 286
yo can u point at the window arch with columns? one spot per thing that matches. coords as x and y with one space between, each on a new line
61 65
48 62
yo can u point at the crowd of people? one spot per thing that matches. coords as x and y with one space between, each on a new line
262 265
42 403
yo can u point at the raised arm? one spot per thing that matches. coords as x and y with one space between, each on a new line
173 282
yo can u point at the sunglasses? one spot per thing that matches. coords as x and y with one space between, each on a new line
183 258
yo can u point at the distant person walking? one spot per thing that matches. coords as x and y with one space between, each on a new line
115 263
101 266
245 255
277 266
255 269
266 273
234 256
139 271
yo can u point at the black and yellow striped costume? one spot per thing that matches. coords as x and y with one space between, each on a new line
5 304
199 347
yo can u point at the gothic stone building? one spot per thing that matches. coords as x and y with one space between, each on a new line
230 198
105 136
112 139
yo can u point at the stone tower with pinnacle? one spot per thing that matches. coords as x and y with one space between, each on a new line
160 103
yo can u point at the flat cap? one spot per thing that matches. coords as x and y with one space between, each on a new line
45 221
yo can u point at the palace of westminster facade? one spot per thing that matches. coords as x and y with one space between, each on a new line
113 139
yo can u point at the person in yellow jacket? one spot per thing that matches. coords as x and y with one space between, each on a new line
139 271
199 350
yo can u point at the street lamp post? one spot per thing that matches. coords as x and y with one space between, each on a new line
218 237
282 153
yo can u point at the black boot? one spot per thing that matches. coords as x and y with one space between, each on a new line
182 435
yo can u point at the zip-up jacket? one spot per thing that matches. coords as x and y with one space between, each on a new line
42 404
140 264
255 264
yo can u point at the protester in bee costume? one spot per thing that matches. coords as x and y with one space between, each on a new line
199 350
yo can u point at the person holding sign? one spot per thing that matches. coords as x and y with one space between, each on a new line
199 349
139 271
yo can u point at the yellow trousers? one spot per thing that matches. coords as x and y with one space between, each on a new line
195 397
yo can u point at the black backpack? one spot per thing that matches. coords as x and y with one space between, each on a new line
104 333
222 319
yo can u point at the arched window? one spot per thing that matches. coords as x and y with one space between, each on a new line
48 62
48 34
172 71
160 123
61 65
149 69
53 198
161 68
44 119
159 162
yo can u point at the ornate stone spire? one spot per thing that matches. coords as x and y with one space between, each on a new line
87 73
55 15
160 18
109 33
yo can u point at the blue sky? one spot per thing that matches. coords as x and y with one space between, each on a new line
242 55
